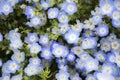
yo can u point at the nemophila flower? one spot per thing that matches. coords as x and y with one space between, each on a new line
5 77
12 2
77 50
46 53
35 21
117 60
104 76
89 43
115 15
31 38
111 37
77 27
17 77
60 51
52 13
71 57
1 37
31 70
0 62
44 40
97 19
13 35
115 45
79 64
4 69
106 7
62 17
72 37
75 77
35 48
70 8
54 44
105 46
102 30
88 33
90 77
109 68
89 24
16 44
18 56
35 61
85 56
116 23
6 7
117 4
45 4
12 66
111 57
62 75
91 64
63 28
63 67
29 11
100 56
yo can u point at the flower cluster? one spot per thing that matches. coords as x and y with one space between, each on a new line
72 50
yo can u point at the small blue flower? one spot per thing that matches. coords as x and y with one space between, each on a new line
35 61
35 48
31 38
44 40
116 23
13 35
63 67
1 37
102 30
18 56
115 15
70 8
45 4
53 13
72 37
6 7
110 58
5 76
117 4
63 17
79 64
90 77
75 77
12 2
29 11
62 75
46 53
71 57
16 44
12 66
17 77
97 19
63 28
91 64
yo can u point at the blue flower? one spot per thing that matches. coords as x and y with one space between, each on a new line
70 8
46 53
71 57
115 15
13 35
53 13
35 61
75 77
31 38
102 30
97 19
1 37
104 76
91 64
12 66
45 4
12 2
6 7
63 17
117 4
29 11
31 70
16 44
63 28
90 77
17 77
72 37
5 76
110 58
44 40
63 67
116 23
35 48
79 64
62 75
18 56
